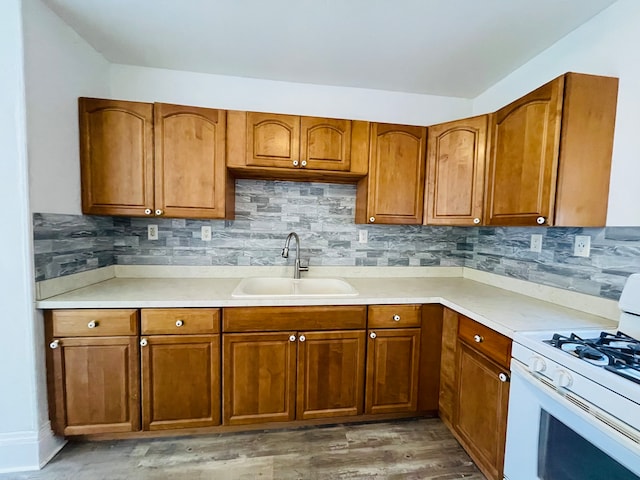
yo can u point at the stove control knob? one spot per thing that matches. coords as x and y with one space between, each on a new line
537 365
563 379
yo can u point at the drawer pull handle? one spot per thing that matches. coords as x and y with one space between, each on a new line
179 323
503 377
144 342
292 338
373 335
55 344
92 324
396 318
302 338
478 338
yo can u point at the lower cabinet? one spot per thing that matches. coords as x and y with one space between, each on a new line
93 371
180 352
294 374
393 359
482 395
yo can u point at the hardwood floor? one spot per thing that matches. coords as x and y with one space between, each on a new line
407 449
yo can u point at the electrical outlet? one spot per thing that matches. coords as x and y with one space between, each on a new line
152 232
363 236
582 246
205 233
536 243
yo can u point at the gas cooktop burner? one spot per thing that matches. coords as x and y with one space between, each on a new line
618 353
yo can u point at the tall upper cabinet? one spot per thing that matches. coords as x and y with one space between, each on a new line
143 159
454 190
393 192
551 152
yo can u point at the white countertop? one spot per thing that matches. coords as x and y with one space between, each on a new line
502 310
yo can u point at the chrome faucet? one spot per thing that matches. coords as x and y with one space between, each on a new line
299 264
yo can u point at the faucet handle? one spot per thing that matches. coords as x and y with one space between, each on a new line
303 265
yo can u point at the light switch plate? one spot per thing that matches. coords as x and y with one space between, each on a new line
582 246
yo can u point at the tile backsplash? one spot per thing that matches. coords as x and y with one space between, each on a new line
323 215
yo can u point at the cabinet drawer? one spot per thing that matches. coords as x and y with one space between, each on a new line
394 316
273 319
176 321
94 323
483 339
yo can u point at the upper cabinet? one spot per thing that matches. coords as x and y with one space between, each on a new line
551 152
268 145
142 159
393 192
454 191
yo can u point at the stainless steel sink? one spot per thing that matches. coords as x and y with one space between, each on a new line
290 287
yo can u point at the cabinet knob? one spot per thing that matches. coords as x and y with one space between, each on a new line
295 163
476 221
478 338
303 163
55 344
159 212
92 324
396 318
503 377
302 338
373 335
541 220
372 219
144 342
148 211
292 338
179 323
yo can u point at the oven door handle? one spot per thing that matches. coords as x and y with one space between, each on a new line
590 413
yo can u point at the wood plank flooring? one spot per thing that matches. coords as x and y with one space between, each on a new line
406 449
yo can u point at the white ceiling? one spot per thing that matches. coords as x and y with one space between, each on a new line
443 47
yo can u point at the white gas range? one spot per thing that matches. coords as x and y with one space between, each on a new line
574 406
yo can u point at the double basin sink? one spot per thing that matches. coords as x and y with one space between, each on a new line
291 287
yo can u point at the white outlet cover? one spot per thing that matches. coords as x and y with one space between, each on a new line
205 233
363 236
152 232
536 243
582 246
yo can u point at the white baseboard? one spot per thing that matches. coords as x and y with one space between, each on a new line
28 451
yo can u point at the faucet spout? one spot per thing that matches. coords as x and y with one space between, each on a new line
299 265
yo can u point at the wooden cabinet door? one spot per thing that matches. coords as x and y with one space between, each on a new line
259 377
325 144
392 370
190 167
455 172
95 383
272 140
330 374
448 367
180 381
116 157
396 174
521 183
481 416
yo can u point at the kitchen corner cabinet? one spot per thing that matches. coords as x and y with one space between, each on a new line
142 159
292 147
393 192
454 191
180 352
480 413
551 152
286 363
93 371
393 359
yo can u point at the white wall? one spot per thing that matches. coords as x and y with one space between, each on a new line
18 404
60 66
236 93
607 45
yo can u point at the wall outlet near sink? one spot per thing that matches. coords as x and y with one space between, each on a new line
582 246
536 243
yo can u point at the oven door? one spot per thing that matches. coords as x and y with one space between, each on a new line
550 437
